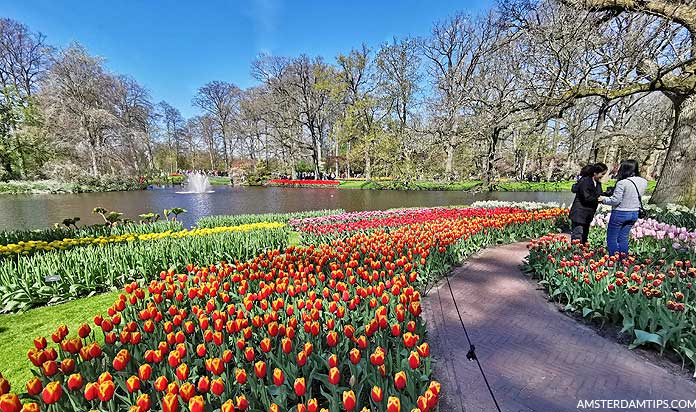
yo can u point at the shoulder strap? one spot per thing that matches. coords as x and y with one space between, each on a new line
640 198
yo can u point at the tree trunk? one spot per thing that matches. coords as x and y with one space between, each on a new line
490 157
677 181
599 130
368 163
449 163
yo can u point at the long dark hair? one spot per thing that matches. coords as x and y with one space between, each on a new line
628 168
592 169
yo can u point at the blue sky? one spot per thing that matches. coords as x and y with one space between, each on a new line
173 47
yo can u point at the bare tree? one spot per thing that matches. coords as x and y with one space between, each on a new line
220 100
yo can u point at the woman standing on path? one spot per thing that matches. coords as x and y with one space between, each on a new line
587 193
626 202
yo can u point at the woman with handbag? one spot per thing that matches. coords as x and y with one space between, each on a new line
627 206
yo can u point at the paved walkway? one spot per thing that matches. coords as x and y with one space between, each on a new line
535 358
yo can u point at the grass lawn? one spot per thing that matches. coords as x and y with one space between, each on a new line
18 330
219 181
504 186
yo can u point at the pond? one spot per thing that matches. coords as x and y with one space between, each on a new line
40 211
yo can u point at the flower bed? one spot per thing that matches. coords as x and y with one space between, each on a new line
304 182
325 229
33 246
62 275
232 220
60 233
650 294
333 326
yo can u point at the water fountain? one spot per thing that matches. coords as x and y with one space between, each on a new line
197 183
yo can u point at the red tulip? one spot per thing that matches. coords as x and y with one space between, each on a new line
286 345
106 391
133 384
241 376
40 343
170 403
228 406
34 386
332 339
424 350
196 404
215 366
349 400
75 382
400 380
301 358
145 371
161 383
354 356
52 393
278 377
30 407
84 330
9 402
334 376
242 402
203 384
377 394
249 354
393 404
187 391
260 369
49 368
143 402
312 405
91 391
217 386
182 372
265 345
414 360
300 387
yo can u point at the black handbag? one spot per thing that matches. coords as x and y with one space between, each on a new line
641 212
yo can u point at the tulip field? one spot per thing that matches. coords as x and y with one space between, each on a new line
332 325
650 293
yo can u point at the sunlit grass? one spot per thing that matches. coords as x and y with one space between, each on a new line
18 330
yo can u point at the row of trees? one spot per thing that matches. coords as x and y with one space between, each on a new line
527 90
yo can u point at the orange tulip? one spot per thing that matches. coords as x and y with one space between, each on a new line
52 393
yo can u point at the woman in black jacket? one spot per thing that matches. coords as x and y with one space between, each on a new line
587 192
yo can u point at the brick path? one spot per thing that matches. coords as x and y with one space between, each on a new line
535 358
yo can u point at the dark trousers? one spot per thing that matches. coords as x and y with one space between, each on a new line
580 232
